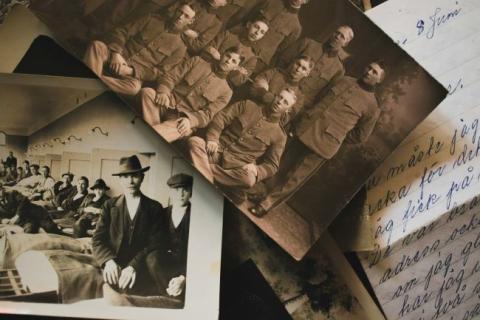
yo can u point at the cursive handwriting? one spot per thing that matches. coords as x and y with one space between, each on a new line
436 20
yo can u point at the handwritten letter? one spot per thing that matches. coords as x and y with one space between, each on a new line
424 202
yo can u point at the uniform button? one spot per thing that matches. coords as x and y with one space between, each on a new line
250 131
258 124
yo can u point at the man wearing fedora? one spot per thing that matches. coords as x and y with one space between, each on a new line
167 257
125 230
90 209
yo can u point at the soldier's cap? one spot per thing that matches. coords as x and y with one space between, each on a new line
180 180
130 165
68 174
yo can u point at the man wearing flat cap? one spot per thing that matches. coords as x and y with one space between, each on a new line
124 231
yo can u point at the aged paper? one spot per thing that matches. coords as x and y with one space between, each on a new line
423 201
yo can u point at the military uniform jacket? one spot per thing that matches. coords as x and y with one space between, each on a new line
148 46
328 66
206 24
111 231
284 29
198 92
234 38
246 133
278 80
234 11
347 111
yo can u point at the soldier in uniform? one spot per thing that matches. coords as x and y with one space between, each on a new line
189 95
205 26
328 58
233 12
124 231
244 37
140 51
348 112
244 143
285 28
269 83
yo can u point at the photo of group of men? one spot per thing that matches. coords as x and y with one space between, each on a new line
140 245
260 95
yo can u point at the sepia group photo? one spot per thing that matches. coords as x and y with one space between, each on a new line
285 105
95 210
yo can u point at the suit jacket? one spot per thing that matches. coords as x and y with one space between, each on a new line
173 242
347 112
110 231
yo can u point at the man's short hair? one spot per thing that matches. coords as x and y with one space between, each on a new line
27 162
36 166
382 65
310 61
292 91
47 168
84 179
350 32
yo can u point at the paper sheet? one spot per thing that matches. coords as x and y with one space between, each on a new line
424 213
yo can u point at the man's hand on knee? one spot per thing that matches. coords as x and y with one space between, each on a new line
162 100
212 147
184 127
127 278
176 286
110 272
116 62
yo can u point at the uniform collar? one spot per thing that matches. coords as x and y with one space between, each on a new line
219 72
365 86
270 116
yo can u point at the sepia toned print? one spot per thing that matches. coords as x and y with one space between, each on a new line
288 108
98 214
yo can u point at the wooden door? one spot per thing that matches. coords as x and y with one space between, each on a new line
76 163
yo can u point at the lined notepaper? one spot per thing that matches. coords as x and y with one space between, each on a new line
422 201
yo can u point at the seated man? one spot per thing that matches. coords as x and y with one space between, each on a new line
25 214
189 95
243 37
44 188
244 142
125 230
90 210
68 207
205 26
141 51
61 190
348 112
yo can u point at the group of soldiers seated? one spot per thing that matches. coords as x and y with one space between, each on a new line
256 107
38 201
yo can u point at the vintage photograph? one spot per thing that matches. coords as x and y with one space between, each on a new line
96 211
285 105
261 281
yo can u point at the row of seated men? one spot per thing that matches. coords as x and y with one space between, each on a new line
140 246
36 200
233 94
